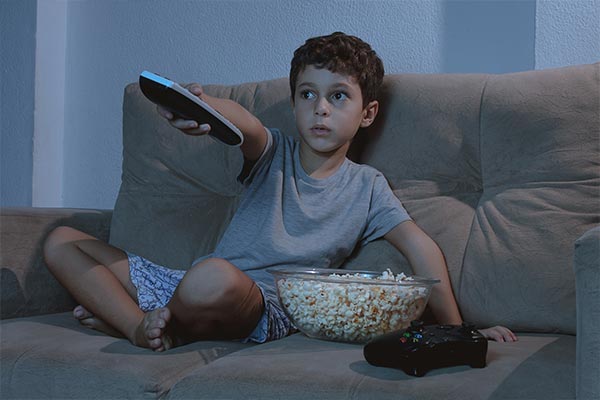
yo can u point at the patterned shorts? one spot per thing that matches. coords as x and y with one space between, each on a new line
156 284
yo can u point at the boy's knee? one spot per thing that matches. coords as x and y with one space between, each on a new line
214 283
59 241
57 237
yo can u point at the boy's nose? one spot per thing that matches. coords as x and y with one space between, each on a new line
321 107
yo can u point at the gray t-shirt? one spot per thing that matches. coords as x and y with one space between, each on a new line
287 218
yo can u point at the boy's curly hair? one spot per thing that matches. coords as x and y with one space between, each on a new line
343 54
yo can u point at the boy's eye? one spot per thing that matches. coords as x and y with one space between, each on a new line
307 94
338 96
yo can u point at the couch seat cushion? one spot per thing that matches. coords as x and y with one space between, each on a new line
535 367
52 356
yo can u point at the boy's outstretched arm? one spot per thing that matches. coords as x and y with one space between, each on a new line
255 137
427 260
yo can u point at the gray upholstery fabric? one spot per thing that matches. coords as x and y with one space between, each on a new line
52 356
27 287
587 270
300 368
539 151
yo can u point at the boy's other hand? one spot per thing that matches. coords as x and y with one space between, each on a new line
499 334
189 127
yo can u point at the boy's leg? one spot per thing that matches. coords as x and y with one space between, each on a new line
97 276
215 300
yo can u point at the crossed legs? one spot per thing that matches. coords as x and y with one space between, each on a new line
214 300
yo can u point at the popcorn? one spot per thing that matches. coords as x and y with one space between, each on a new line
353 311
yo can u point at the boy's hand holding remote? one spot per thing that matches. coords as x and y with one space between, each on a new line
189 127
252 129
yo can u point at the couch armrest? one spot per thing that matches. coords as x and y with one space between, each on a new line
587 282
26 285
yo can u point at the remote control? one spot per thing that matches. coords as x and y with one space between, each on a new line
184 104
419 349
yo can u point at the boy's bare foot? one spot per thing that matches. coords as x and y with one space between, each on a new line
88 319
150 333
152 330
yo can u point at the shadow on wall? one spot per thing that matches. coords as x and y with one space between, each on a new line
488 36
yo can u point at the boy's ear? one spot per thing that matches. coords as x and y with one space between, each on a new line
369 114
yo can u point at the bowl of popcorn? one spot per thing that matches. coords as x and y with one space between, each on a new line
350 306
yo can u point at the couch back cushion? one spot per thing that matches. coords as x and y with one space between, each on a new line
540 166
501 170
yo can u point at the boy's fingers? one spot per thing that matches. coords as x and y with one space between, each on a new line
508 335
192 128
189 127
163 112
499 334
184 124
195 88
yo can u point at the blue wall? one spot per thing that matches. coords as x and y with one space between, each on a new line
489 36
222 41
17 71
567 33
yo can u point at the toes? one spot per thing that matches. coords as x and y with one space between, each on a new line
156 324
167 342
161 314
88 322
153 334
165 314
151 331
155 344
80 312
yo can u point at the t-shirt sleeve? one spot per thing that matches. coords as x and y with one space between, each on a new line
385 213
250 168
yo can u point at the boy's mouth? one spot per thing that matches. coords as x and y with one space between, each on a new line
320 129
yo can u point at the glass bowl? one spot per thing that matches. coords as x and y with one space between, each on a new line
350 306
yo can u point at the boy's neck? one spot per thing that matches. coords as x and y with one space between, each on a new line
321 165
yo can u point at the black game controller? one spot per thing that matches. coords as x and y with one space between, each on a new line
420 348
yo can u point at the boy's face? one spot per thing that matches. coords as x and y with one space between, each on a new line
329 110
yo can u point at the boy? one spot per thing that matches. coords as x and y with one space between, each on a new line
304 204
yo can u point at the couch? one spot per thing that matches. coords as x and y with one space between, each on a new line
502 171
